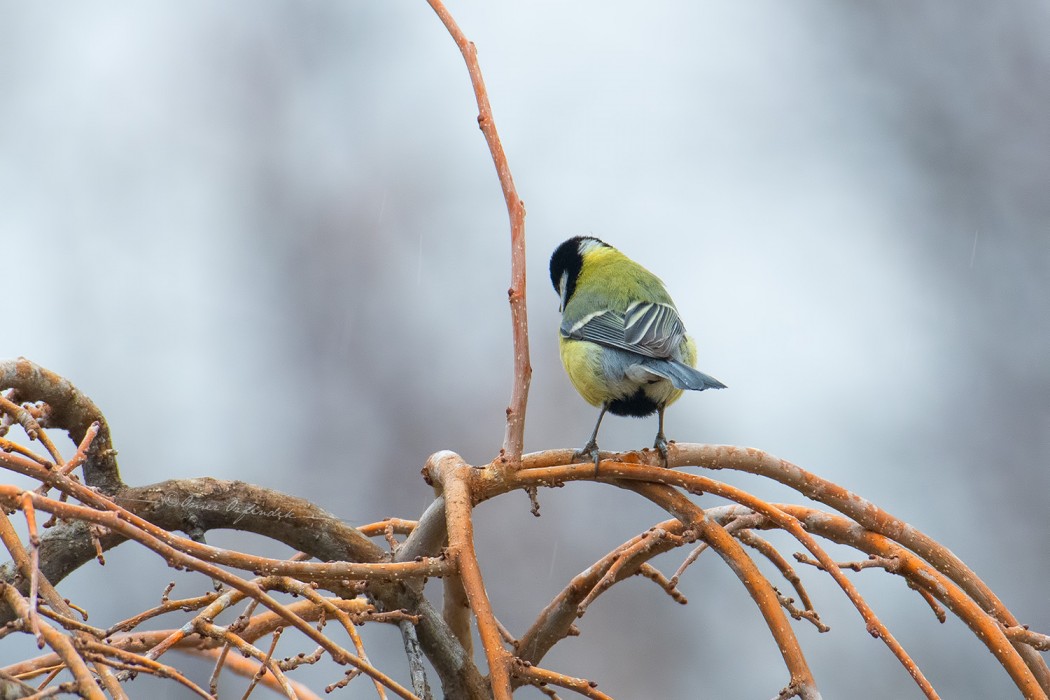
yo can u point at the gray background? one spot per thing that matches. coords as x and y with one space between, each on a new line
267 239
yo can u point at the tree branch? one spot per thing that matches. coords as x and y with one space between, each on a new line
514 438
69 410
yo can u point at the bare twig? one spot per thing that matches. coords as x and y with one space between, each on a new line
1027 636
396 578
59 642
514 439
866 514
633 474
539 676
757 586
787 571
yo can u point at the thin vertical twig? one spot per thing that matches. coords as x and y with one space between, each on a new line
514 438
417 669
34 564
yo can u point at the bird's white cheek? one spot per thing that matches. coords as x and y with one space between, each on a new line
563 284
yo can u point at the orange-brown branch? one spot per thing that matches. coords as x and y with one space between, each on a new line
514 438
454 477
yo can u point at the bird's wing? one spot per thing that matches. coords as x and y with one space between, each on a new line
646 328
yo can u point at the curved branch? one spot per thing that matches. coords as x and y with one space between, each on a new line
66 547
757 585
925 577
920 574
159 543
870 516
71 411
395 579
555 621
638 474
207 504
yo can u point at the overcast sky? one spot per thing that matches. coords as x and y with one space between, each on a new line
268 240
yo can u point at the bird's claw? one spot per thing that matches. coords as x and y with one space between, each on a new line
590 452
661 446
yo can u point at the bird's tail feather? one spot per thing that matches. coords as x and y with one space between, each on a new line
681 375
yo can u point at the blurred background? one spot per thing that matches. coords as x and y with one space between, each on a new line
268 240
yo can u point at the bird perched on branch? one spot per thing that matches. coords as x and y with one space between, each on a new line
622 343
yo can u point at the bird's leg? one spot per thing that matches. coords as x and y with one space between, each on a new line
661 441
591 448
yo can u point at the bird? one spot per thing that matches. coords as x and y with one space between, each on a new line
622 341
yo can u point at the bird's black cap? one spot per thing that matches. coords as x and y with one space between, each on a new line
567 261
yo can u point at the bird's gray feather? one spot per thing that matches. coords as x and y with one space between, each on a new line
656 327
681 375
648 329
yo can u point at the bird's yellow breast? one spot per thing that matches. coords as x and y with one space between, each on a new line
583 364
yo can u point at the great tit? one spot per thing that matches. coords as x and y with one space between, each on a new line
622 343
